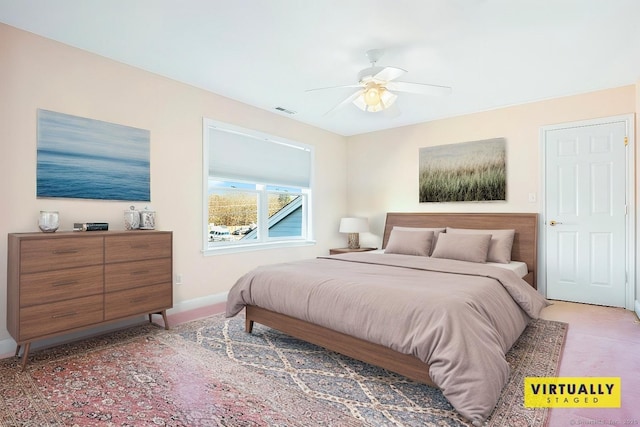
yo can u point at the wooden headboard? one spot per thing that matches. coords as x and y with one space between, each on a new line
525 242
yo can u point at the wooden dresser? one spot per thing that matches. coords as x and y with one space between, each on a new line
67 281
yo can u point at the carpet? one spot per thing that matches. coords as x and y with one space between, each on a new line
146 376
211 373
373 395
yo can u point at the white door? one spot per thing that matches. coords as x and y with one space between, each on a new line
585 218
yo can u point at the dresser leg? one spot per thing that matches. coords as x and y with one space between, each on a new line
163 313
25 355
164 317
18 349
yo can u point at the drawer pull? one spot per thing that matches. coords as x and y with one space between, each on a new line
65 251
69 314
140 246
66 283
137 300
137 273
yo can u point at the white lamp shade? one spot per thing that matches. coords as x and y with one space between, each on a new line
354 225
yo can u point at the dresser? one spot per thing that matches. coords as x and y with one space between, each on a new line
63 282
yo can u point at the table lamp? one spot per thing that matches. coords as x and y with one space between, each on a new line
354 226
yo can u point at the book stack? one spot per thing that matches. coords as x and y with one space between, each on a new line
90 226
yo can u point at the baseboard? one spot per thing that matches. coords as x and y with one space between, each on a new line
8 345
637 310
196 303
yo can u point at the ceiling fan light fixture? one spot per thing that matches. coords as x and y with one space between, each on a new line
375 98
375 82
388 98
372 95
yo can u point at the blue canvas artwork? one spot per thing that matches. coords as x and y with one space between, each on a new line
83 158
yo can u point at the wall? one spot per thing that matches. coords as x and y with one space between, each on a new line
40 73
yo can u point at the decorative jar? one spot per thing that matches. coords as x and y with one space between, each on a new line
147 220
49 221
131 219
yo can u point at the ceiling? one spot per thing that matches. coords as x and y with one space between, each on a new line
268 53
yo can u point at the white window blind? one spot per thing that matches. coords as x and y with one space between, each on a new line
236 155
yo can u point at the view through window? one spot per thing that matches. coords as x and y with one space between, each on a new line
258 189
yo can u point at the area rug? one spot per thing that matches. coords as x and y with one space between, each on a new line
373 395
211 373
145 376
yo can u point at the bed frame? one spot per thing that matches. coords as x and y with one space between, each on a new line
524 249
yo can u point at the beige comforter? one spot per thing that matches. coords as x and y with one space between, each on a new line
461 318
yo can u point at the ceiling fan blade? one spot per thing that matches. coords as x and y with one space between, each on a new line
346 101
389 73
333 87
420 88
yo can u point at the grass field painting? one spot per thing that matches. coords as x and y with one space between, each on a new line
464 172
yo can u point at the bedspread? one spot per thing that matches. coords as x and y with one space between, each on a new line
460 318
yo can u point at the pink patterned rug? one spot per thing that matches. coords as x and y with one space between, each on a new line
144 376
210 373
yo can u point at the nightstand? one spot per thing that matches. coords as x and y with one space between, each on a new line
336 251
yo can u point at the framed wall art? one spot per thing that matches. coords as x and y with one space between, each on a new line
85 158
463 172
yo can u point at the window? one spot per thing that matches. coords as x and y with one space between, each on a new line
257 190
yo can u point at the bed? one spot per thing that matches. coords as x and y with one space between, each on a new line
439 320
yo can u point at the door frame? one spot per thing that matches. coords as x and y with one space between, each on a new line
630 167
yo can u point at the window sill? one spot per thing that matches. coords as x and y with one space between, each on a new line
231 249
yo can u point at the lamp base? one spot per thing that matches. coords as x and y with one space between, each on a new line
354 240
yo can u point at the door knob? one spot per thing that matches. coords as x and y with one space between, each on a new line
553 223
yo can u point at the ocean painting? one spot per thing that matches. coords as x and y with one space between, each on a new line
83 158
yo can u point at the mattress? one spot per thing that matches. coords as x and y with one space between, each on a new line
518 267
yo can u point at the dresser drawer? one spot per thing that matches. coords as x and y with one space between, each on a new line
51 286
137 246
56 254
40 320
127 275
138 300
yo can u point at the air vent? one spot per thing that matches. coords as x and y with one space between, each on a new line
284 110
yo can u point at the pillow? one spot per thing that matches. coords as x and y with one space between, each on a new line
409 242
436 231
463 247
500 246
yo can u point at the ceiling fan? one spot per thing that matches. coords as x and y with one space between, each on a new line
377 86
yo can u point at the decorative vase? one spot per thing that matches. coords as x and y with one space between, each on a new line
131 219
147 220
49 221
